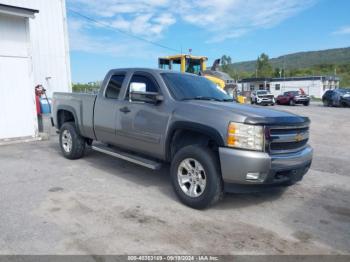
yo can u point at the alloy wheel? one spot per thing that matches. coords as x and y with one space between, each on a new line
191 177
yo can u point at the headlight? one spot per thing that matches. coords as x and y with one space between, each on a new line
245 136
346 95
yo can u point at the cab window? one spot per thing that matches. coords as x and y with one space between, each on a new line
114 86
142 80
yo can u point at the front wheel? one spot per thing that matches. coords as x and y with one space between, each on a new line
343 104
71 143
306 103
292 102
195 176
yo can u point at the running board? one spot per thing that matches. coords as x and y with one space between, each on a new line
138 160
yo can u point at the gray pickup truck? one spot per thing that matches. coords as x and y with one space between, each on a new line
150 117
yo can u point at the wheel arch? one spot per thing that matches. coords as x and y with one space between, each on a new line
184 133
67 114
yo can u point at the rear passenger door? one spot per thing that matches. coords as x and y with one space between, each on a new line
106 109
141 125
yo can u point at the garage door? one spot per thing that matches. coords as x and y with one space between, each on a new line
17 101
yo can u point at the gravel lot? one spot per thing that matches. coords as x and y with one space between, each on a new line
101 205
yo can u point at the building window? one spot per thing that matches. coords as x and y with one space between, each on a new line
277 87
252 87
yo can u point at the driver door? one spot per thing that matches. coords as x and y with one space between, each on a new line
142 124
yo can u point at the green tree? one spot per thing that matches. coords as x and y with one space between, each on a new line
91 87
226 61
278 72
263 66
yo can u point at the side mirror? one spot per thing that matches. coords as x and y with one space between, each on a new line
137 87
138 93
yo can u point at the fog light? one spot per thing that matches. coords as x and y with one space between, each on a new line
253 176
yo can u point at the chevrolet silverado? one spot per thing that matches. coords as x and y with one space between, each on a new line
150 117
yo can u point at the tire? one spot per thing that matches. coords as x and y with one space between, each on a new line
183 163
71 143
272 104
343 104
291 102
306 103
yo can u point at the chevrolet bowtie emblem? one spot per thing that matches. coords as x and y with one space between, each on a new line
299 137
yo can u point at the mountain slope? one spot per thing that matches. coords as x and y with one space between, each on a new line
301 60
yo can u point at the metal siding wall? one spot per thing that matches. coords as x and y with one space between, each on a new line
15 42
17 101
50 50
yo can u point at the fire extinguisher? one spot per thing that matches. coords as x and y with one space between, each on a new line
39 91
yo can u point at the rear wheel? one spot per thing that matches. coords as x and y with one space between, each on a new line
195 176
71 143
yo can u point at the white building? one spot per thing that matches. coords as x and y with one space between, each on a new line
314 86
33 50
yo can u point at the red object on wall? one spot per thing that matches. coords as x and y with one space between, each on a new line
38 93
37 102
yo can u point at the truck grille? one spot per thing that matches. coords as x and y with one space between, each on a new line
286 139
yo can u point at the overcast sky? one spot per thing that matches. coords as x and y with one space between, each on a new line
240 28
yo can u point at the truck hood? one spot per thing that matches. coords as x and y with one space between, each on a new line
255 115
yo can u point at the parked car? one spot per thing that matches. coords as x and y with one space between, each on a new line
292 98
336 97
150 117
262 97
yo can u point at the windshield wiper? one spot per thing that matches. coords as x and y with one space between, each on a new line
207 98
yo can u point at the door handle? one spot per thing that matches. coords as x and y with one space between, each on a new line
124 109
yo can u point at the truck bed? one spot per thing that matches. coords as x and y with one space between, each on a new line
83 105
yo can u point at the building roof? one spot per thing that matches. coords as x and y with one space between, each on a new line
305 78
17 11
282 79
255 79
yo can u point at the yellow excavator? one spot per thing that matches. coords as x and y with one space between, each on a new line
197 65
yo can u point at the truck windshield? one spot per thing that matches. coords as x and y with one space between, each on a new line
188 87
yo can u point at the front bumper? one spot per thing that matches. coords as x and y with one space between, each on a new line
301 100
266 101
272 169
